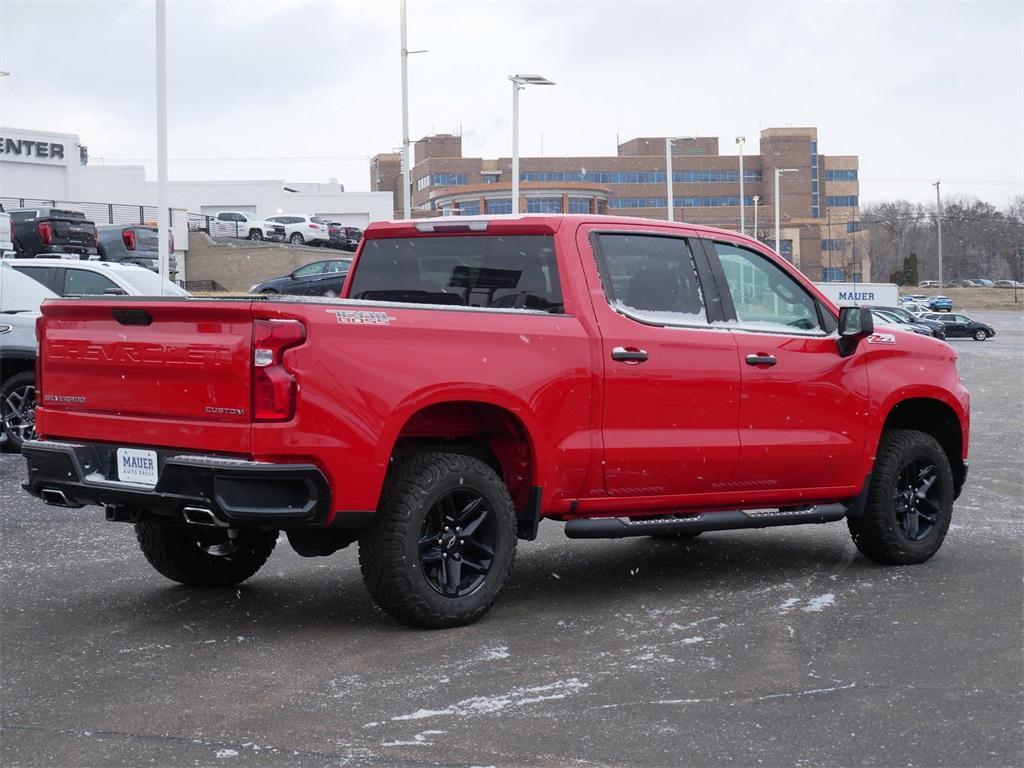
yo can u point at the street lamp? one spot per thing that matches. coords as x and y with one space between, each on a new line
669 192
938 223
406 170
779 172
757 199
519 82
740 141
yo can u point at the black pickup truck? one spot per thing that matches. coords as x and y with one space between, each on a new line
47 231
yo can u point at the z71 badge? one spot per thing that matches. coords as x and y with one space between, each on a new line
362 317
881 338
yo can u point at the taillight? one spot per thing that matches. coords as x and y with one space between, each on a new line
128 236
313 226
45 229
40 327
274 388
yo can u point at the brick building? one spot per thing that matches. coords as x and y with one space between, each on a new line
818 201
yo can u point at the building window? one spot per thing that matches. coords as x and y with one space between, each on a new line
841 175
544 205
679 202
422 183
641 177
832 274
853 226
441 180
579 205
501 205
833 245
491 178
786 250
469 208
841 201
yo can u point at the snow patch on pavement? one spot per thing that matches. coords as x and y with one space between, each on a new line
489 705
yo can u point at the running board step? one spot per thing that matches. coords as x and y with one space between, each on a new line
618 527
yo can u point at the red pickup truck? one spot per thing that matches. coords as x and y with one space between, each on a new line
625 376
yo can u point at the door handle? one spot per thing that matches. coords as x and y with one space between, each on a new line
761 359
629 354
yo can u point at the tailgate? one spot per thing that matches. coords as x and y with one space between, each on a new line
181 360
72 229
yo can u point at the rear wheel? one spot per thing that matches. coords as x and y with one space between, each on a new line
18 410
443 541
204 557
268 291
980 335
255 234
910 501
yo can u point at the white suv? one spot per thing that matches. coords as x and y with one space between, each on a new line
303 229
93 278
248 225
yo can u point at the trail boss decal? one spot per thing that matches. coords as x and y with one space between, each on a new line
362 317
881 338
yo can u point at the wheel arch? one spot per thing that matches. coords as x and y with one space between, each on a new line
937 418
494 432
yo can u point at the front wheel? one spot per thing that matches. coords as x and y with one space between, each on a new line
910 501
296 239
255 234
980 335
443 542
204 557
18 410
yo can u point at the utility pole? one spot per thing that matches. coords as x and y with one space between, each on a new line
938 221
406 180
740 140
757 200
828 213
669 198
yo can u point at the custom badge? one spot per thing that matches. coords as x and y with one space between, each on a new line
362 317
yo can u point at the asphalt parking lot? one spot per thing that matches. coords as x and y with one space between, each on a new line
775 648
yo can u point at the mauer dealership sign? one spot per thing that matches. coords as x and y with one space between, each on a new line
30 150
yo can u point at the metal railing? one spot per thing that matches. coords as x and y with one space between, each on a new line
98 213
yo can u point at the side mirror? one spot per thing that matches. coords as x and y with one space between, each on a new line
855 323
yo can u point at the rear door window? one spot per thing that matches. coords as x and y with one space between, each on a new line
489 272
651 278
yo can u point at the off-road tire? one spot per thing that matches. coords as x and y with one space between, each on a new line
18 381
255 234
389 553
877 532
175 552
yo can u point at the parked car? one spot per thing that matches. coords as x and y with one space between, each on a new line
1008 284
48 231
928 284
940 303
319 278
962 326
96 278
353 235
6 232
904 315
915 308
887 318
247 225
300 230
134 244
18 349
977 282
475 380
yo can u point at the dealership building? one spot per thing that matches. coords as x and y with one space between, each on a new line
818 194
39 166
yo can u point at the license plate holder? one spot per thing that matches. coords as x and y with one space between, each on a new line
137 466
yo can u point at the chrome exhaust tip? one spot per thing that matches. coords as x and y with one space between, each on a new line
54 497
202 516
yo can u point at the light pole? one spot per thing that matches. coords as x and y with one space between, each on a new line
740 141
669 189
163 244
938 221
779 172
406 170
518 83
828 213
757 200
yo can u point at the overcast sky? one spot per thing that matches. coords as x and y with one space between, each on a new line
306 91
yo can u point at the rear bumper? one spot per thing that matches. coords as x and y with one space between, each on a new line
235 492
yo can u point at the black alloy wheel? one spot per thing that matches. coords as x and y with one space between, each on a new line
917 498
457 542
18 410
